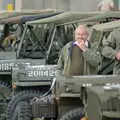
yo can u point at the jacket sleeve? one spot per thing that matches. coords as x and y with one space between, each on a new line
109 46
92 55
60 64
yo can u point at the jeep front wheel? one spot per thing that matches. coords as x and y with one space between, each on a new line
23 96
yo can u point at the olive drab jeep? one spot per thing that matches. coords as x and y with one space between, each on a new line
37 92
100 96
11 28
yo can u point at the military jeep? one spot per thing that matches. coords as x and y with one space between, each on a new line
99 94
13 25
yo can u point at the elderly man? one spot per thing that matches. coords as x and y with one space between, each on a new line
76 57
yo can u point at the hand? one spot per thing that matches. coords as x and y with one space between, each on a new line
82 46
118 56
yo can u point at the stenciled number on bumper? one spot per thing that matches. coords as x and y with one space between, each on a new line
42 73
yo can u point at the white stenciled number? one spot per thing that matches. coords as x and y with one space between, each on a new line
38 73
46 73
30 73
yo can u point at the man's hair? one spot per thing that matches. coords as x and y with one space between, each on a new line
84 27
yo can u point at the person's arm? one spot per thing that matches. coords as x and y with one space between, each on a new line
109 46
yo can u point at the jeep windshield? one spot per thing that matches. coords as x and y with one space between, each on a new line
34 42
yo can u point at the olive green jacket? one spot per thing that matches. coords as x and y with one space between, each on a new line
91 61
111 46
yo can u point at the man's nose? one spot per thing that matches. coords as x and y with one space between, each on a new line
80 37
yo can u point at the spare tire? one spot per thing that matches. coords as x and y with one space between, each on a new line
23 96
